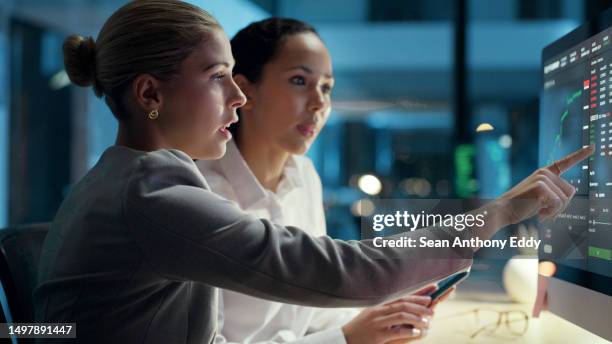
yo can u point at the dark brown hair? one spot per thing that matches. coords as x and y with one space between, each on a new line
258 43
144 36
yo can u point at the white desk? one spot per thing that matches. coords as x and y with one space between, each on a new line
548 328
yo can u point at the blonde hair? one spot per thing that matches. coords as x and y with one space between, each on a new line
144 36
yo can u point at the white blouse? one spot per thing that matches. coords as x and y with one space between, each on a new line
298 201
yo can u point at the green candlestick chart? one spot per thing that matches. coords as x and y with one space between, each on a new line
557 142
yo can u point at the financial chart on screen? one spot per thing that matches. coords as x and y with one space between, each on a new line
575 111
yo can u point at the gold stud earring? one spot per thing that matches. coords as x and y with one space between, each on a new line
154 114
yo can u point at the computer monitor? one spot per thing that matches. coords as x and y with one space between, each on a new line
575 111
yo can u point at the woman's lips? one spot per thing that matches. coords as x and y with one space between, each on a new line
307 130
225 132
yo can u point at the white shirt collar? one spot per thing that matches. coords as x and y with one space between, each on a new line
249 190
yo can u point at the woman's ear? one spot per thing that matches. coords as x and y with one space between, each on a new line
246 87
147 92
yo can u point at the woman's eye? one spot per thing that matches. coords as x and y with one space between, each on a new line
218 76
298 80
326 89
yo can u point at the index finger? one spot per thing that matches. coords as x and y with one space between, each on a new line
569 161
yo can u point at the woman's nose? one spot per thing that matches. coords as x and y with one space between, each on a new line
238 98
317 102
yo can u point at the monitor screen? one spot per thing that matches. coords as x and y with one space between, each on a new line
575 111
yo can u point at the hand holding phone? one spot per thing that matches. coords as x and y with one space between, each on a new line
442 287
447 283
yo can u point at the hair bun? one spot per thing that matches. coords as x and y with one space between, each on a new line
79 60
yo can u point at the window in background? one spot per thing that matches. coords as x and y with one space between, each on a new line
416 10
540 9
41 125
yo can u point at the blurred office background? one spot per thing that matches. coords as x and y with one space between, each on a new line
414 80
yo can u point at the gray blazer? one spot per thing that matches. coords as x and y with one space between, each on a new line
139 246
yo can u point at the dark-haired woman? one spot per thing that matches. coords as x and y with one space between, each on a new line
285 70
140 243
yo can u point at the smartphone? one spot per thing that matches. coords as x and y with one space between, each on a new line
448 283
443 286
